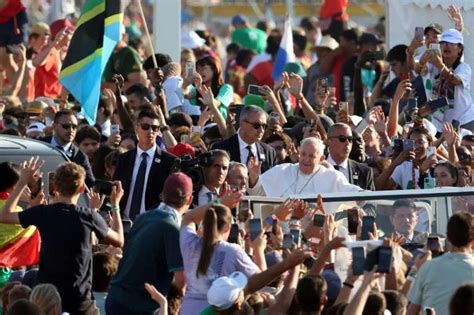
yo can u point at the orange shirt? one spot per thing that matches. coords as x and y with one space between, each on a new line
334 9
47 77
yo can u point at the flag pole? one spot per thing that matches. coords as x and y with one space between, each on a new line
147 33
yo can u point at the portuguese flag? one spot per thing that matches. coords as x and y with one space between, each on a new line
18 246
96 35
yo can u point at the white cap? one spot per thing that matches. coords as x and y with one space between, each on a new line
191 40
47 100
452 36
328 42
36 126
225 291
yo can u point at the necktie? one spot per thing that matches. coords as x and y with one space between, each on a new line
249 148
209 196
337 167
138 189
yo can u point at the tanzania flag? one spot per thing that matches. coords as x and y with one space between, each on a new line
18 246
96 35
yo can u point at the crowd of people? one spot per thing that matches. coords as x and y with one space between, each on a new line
178 144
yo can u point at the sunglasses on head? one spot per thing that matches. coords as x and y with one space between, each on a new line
146 126
343 138
257 125
69 126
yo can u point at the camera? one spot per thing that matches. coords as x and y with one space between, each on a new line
193 167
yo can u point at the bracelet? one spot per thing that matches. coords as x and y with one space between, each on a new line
115 208
347 284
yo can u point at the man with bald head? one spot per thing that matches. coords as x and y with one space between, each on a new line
307 177
339 146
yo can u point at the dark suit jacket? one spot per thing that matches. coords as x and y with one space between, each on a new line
76 156
265 153
159 171
361 175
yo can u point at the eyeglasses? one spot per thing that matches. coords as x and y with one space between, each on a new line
146 126
69 126
257 125
343 138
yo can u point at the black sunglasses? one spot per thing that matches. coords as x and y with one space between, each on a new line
343 138
146 126
69 126
257 125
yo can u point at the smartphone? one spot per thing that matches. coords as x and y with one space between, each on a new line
274 117
255 228
190 69
361 126
412 103
296 233
254 89
114 128
438 103
397 145
418 253
233 234
404 76
429 182
51 185
435 48
431 151
195 134
36 187
384 264
309 262
358 260
103 187
243 211
455 124
419 33
367 227
287 241
323 84
377 55
274 225
352 220
408 145
127 225
344 106
318 220
433 243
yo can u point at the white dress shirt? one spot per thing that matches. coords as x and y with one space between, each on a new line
138 159
203 196
66 147
343 167
244 152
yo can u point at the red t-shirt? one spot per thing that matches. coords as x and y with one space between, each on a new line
262 73
10 10
334 8
47 77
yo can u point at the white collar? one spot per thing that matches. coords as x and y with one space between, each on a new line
204 190
150 152
65 147
344 164
169 209
243 145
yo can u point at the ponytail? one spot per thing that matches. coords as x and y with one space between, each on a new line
215 219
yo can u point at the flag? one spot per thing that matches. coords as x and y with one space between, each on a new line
18 246
96 35
285 53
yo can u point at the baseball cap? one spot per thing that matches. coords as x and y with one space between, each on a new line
435 27
191 40
327 42
40 29
256 100
178 184
181 149
225 291
369 38
452 36
238 19
59 25
295 67
36 126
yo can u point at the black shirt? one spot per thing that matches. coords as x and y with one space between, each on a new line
66 250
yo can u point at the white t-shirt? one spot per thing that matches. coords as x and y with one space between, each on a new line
462 101
402 175
173 92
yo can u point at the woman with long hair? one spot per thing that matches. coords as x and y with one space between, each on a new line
209 74
47 298
446 175
209 257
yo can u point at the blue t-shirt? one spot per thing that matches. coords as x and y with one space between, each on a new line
151 255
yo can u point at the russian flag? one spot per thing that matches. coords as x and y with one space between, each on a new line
285 53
